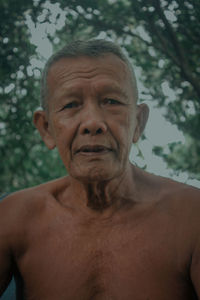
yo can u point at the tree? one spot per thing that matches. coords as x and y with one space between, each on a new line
161 37
21 149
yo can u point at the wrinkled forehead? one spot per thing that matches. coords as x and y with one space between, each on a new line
66 70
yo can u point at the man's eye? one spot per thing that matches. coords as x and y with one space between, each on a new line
111 101
73 104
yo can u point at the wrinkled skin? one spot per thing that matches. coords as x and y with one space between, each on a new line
108 230
91 107
94 106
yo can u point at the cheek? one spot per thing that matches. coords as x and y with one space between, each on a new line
123 131
128 124
63 133
132 122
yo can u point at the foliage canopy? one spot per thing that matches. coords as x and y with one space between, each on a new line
162 39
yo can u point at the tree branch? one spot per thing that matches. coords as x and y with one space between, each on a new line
180 59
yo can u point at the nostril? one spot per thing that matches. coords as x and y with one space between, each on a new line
99 130
86 131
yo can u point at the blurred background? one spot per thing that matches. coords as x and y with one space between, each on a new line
162 40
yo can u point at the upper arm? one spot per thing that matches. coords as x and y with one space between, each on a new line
5 267
5 247
195 269
195 262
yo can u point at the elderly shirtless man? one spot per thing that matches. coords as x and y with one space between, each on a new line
108 231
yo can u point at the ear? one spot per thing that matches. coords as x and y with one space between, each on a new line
142 117
41 123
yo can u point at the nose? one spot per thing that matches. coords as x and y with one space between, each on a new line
93 122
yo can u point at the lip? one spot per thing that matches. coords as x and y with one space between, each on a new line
93 150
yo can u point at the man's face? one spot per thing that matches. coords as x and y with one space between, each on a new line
92 115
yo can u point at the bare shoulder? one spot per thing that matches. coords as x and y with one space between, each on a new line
170 193
181 202
184 196
22 206
173 198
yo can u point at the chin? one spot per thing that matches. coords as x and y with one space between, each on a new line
94 174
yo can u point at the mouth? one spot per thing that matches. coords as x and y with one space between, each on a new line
93 150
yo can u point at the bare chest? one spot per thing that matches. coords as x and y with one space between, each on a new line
120 262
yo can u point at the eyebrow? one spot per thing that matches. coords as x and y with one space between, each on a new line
114 89
77 91
70 92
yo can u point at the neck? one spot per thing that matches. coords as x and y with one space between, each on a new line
97 196
104 195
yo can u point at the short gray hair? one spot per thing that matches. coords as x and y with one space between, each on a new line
90 48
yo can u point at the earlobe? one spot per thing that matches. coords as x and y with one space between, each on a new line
142 117
41 123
